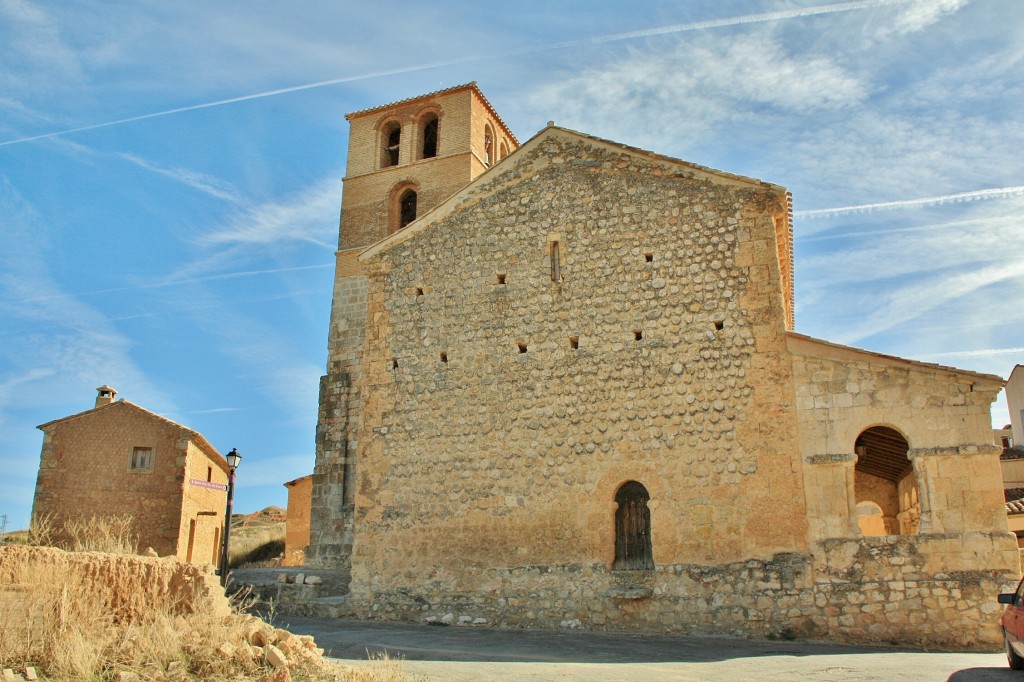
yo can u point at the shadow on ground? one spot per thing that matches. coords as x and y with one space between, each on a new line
356 639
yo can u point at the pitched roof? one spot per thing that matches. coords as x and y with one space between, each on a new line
446 91
469 192
797 342
196 437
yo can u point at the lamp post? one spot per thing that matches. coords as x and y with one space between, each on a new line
234 459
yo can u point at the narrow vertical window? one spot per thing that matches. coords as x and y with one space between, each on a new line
429 136
392 138
633 529
406 208
488 146
556 263
502 151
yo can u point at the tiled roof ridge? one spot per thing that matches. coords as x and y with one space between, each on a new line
444 91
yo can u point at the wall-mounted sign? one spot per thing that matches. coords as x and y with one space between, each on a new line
207 484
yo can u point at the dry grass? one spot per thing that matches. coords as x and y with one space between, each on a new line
63 620
109 534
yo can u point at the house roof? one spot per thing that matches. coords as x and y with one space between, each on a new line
471 192
1014 500
1011 453
196 437
446 91
300 478
810 345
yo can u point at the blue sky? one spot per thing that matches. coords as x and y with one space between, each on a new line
170 179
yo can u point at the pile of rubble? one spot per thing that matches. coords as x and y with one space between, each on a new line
299 579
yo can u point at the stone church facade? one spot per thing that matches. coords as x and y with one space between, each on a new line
564 389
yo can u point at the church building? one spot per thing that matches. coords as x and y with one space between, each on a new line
564 389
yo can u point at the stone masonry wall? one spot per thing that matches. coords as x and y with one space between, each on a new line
330 522
943 414
490 445
368 208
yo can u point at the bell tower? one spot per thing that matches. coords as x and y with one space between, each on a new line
404 159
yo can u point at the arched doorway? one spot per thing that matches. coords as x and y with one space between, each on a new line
885 486
633 529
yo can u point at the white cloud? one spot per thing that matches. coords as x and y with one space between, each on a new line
678 94
32 42
207 184
306 216
916 15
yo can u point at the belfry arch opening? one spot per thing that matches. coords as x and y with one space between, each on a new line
391 141
488 145
428 136
406 208
633 551
885 485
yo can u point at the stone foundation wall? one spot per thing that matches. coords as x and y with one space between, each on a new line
891 590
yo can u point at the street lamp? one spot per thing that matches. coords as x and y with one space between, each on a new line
234 459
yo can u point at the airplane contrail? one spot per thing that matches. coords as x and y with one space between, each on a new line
186 280
594 40
996 193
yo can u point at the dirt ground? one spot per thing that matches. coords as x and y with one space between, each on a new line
472 654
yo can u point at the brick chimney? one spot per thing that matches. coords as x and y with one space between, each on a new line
105 395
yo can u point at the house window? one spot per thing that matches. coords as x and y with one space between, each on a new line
406 208
633 529
391 136
429 137
142 459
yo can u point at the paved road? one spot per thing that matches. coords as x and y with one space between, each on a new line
464 653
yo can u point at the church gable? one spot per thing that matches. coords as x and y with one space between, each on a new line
588 285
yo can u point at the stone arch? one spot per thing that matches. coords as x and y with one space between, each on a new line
633 550
884 476
428 143
390 142
403 206
502 150
488 145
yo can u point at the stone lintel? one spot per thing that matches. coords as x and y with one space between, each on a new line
839 458
955 451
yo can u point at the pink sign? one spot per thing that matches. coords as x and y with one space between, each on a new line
207 484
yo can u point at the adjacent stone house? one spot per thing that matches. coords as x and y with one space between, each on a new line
564 389
120 459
